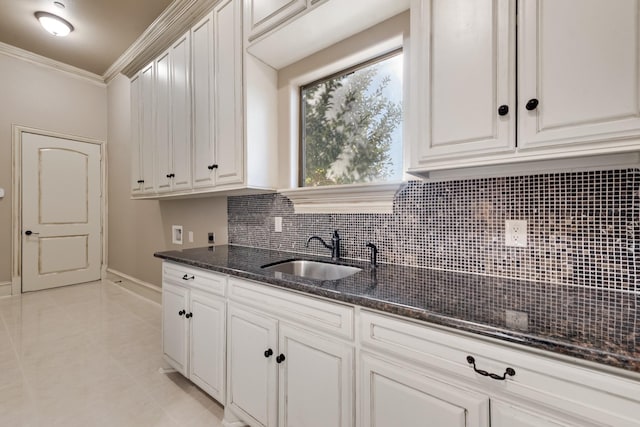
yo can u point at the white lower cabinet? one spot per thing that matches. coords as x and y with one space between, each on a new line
281 374
279 358
398 395
194 327
410 372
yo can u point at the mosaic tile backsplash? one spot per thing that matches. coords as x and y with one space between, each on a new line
583 227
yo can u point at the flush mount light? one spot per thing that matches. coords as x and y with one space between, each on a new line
54 24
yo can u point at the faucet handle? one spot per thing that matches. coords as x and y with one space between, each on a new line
374 253
336 235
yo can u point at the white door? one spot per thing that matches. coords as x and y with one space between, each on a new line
228 92
61 214
175 326
207 343
162 103
203 85
253 388
395 395
465 72
578 72
316 380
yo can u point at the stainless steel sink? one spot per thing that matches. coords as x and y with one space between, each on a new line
313 269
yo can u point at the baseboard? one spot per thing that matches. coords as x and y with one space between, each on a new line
141 288
5 289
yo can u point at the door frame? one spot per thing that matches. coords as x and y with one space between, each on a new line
16 190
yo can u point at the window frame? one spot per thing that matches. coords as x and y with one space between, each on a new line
344 72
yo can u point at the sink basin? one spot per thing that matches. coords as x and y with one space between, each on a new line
313 269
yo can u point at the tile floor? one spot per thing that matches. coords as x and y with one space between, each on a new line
89 355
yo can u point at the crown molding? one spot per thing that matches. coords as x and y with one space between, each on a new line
34 58
171 24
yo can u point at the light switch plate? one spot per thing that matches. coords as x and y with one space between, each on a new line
1 193
278 224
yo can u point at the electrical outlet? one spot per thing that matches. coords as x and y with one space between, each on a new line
211 238
518 320
176 234
515 233
278 224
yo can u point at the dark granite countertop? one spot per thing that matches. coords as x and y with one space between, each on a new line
594 324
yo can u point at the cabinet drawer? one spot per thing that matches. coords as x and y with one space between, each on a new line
197 278
328 317
562 387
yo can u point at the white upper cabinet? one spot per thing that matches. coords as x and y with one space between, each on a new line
577 81
181 113
136 169
193 103
147 131
163 164
203 83
465 77
579 59
227 60
263 15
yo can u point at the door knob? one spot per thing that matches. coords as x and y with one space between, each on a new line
532 104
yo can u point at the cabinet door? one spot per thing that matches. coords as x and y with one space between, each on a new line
395 395
252 373
507 415
181 113
162 105
579 59
316 380
175 326
463 66
147 131
203 123
228 113
207 350
136 172
263 15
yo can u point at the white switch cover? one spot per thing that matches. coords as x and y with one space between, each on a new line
1 193
515 233
278 224
191 237
176 234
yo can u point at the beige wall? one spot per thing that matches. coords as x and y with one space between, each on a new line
138 228
44 98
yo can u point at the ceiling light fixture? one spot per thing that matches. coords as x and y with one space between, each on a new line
54 24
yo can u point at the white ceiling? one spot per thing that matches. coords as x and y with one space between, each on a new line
104 29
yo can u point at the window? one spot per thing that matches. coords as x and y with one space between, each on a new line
351 125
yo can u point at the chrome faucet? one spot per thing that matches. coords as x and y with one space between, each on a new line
334 247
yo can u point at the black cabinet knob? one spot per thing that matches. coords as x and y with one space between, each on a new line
503 110
28 232
268 352
212 167
280 358
181 313
189 315
171 175
141 181
187 277
532 104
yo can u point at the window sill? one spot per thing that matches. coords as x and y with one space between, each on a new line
352 198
